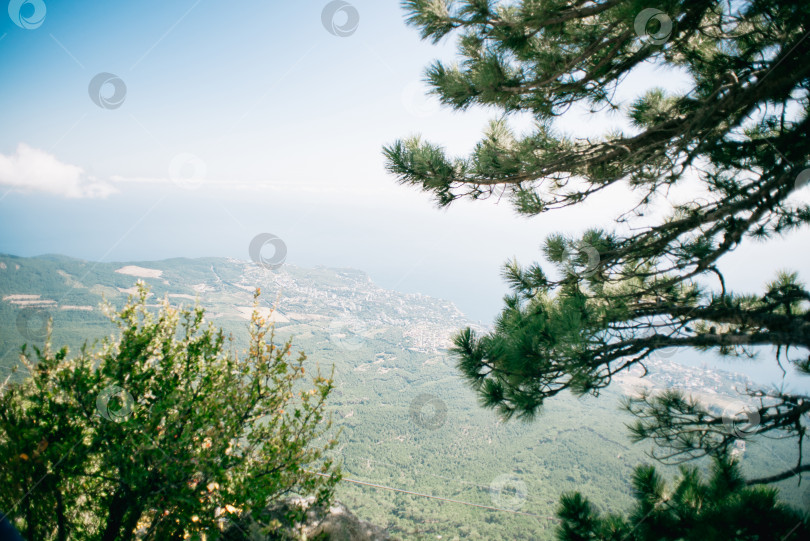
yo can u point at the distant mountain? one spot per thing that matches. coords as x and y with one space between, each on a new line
408 421
305 300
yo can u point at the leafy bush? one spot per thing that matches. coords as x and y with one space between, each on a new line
161 433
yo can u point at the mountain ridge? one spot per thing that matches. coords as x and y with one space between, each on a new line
407 418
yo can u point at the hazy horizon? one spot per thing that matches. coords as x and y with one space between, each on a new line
213 141
762 369
263 132
185 129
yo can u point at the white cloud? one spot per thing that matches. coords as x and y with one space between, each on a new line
31 169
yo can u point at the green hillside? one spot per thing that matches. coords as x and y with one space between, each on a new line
408 421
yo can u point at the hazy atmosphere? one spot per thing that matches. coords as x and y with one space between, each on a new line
257 140
238 121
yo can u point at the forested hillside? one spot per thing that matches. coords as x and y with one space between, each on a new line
408 421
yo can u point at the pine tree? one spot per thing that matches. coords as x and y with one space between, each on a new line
721 508
738 136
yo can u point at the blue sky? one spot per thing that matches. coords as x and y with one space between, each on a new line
286 119
251 118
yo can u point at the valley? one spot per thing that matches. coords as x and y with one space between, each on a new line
406 419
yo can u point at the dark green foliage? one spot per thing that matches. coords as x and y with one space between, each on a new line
734 146
720 508
163 430
575 444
